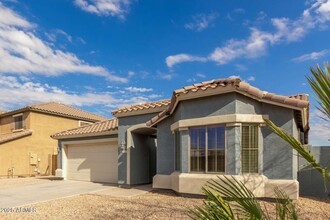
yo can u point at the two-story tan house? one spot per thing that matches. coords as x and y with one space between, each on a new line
25 145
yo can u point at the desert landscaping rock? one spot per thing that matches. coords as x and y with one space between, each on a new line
158 204
152 205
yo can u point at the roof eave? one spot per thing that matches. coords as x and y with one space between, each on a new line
139 112
61 137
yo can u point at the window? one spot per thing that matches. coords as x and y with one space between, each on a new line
216 149
177 151
18 122
250 150
207 149
83 123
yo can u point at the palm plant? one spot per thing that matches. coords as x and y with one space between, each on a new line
320 83
229 199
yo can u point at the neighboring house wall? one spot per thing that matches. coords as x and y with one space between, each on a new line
6 123
16 153
310 180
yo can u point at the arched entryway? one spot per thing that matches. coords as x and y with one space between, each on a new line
141 154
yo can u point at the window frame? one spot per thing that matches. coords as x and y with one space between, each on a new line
206 150
177 137
14 122
86 123
258 147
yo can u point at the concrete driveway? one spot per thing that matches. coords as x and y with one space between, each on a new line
39 192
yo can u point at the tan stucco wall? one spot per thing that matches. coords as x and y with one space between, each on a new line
17 153
6 123
259 185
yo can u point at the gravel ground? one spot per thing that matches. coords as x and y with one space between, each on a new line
153 205
15 182
159 204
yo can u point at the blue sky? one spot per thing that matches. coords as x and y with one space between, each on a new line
99 55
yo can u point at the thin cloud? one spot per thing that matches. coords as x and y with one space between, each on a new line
56 33
137 89
165 76
311 56
257 43
201 22
16 93
20 45
200 75
181 58
115 8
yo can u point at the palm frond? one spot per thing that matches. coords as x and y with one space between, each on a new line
244 203
285 208
320 83
213 208
305 153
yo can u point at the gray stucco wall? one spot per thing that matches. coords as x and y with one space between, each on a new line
277 154
165 147
143 159
233 150
277 160
310 180
124 124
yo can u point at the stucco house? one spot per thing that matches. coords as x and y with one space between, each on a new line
208 129
25 145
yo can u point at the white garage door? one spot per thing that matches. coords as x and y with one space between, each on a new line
93 162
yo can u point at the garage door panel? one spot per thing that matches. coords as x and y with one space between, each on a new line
97 163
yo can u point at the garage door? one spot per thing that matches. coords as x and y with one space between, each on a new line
93 162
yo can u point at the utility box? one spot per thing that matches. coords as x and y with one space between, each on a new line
33 159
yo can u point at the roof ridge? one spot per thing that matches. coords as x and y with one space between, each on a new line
235 84
60 103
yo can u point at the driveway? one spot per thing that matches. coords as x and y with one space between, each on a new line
39 192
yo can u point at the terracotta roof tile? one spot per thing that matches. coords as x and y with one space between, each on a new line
95 128
233 85
60 109
156 106
13 136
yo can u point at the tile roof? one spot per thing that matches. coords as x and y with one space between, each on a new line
142 108
91 130
12 136
231 85
60 109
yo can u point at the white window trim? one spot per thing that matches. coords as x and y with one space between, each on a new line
227 120
87 122
206 148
